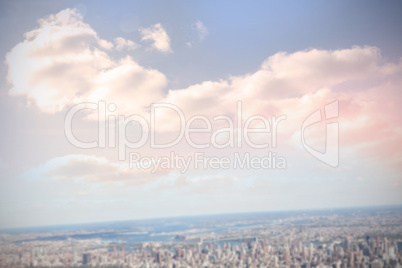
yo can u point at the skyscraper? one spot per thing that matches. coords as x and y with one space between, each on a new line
86 258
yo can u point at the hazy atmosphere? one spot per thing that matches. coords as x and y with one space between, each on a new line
229 82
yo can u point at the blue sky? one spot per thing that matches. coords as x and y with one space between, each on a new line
240 35
285 57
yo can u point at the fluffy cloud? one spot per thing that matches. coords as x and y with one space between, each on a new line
201 29
88 169
159 37
297 84
122 43
285 80
64 62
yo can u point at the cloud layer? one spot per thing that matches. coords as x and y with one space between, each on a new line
65 62
160 39
87 169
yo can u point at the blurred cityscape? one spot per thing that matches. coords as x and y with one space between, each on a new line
355 237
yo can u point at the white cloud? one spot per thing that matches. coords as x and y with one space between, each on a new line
297 84
285 80
202 30
64 62
91 169
87 169
156 33
122 43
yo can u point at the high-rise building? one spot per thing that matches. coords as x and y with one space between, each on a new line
286 257
399 244
86 258
178 253
158 257
74 256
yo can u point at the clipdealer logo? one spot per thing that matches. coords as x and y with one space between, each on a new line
330 156
237 131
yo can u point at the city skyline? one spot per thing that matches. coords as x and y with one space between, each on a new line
359 238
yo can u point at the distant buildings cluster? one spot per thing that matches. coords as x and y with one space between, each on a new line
354 241
369 252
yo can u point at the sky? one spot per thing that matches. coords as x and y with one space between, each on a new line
102 103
